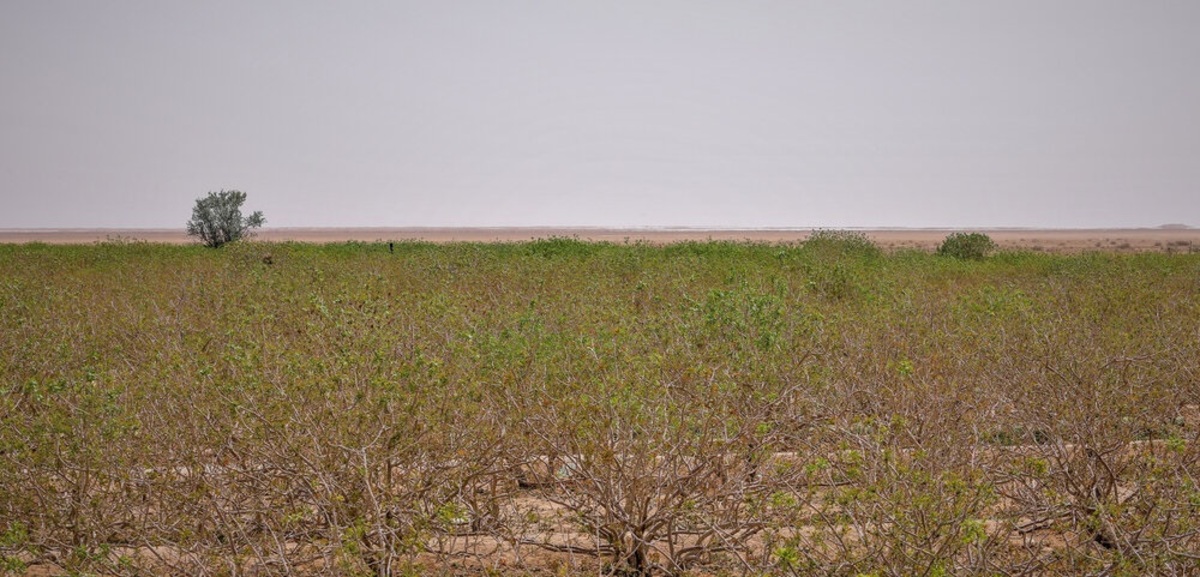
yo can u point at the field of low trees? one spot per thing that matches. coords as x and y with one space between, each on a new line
556 407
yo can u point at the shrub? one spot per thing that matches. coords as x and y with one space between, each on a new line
967 245
840 243
217 219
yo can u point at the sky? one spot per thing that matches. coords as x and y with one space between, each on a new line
648 113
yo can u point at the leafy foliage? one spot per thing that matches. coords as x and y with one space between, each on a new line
217 218
967 245
708 408
841 243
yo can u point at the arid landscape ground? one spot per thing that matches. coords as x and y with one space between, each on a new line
1051 240
805 404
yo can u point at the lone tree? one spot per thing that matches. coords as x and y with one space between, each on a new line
217 218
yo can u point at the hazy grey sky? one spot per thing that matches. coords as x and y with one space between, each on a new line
121 113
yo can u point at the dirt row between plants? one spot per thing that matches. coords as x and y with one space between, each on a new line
552 543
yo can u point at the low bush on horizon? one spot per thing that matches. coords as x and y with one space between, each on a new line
841 243
557 405
967 245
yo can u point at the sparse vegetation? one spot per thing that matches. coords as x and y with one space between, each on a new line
725 408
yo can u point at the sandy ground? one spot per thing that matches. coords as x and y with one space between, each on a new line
1065 240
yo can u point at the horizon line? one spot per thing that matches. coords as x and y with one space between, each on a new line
650 228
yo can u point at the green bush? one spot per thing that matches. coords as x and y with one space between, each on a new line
217 218
837 243
967 245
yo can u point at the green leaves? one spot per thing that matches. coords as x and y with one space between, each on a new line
818 409
967 246
217 218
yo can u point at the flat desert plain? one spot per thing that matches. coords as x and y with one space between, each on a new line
1163 239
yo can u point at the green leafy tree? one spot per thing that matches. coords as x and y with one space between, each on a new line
217 218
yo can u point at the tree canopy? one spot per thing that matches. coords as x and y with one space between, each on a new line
217 218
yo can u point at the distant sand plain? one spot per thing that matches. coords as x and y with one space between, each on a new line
1166 239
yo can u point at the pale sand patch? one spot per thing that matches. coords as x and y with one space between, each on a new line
1050 240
